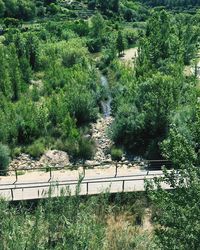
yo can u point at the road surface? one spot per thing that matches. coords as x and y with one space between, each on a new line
26 187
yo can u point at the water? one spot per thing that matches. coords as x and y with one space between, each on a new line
106 103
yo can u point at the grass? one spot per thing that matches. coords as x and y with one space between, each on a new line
92 222
21 172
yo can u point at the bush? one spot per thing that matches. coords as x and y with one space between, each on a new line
16 152
80 148
4 158
36 149
86 149
116 154
94 45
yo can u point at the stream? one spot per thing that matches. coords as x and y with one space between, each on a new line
107 99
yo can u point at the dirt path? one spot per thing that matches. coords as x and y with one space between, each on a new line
130 55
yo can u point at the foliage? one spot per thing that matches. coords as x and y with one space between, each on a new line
149 103
176 211
4 158
120 43
72 222
116 154
36 149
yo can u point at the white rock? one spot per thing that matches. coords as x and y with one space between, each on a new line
55 158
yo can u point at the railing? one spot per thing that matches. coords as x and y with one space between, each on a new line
26 191
122 183
148 164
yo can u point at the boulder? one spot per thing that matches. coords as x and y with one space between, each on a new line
55 158
91 163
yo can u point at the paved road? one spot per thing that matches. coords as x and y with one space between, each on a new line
27 187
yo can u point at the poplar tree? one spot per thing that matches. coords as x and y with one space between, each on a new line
15 73
120 43
5 83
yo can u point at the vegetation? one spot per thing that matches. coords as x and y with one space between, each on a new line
151 99
175 214
49 86
4 158
52 55
116 154
75 223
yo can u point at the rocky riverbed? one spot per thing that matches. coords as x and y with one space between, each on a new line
60 159
52 158
103 142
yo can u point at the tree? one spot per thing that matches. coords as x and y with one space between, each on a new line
114 5
5 83
92 4
104 5
143 114
97 26
4 158
15 73
96 33
2 8
120 43
176 212
32 47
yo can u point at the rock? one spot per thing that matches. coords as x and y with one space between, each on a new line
103 142
55 158
91 163
126 162
23 161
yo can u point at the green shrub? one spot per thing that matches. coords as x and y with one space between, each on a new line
16 152
36 149
70 146
80 148
116 154
86 149
4 158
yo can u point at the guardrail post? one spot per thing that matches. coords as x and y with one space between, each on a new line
84 167
87 188
116 167
50 174
123 183
16 175
12 194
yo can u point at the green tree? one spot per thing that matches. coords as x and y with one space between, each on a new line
5 82
32 48
4 158
2 8
15 73
97 30
120 43
143 117
176 212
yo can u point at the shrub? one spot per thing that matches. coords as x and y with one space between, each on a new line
16 152
70 146
36 149
94 45
4 158
86 149
116 154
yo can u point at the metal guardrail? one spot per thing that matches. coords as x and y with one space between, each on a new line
12 187
97 179
69 183
149 165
